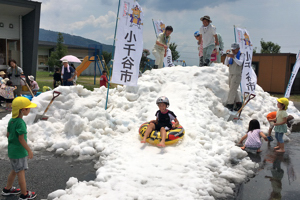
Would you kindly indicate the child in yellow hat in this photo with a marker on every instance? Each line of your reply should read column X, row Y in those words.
column 18, row 149
column 280, row 123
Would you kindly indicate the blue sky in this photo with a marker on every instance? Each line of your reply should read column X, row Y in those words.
column 272, row 20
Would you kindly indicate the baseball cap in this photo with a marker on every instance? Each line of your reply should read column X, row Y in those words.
column 65, row 60
column 235, row 46
column 19, row 103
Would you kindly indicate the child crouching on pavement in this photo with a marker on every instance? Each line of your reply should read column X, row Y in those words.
column 163, row 122
column 253, row 135
column 18, row 149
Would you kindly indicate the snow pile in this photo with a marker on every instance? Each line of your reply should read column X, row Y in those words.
column 205, row 164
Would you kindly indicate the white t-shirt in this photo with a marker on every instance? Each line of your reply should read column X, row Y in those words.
column 208, row 33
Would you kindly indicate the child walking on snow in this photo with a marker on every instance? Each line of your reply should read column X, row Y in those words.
column 18, row 149
column 163, row 122
column 253, row 135
column 280, row 123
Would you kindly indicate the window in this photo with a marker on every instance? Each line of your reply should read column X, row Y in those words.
column 255, row 67
column 13, row 50
column 2, row 52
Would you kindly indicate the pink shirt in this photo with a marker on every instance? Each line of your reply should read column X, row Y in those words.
column 34, row 85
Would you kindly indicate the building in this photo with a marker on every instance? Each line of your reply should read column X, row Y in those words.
column 273, row 71
column 44, row 51
column 19, row 34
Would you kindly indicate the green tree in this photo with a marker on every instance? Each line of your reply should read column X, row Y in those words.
column 106, row 56
column 144, row 59
column 60, row 51
column 269, row 47
column 254, row 49
column 175, row 53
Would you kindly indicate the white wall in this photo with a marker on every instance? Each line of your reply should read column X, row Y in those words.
column 10, row 33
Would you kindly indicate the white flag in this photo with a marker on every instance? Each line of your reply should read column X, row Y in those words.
column 168, row 59
column 129, row 43
column 249, row 79
column 293, row 76
column 159, row 27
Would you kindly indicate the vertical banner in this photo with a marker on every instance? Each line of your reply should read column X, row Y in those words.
column 293, row 76
column 249, row 79
column 159, row 26
column 129, row 43
column 168, row 59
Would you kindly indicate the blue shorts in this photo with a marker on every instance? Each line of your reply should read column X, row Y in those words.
column 279, row 137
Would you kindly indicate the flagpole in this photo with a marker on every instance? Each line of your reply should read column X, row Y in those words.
column 113, row 55
column 154, row 28
column 240, row 83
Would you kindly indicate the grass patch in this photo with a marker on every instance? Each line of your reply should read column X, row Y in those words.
column 46, row 79
column 294, row 97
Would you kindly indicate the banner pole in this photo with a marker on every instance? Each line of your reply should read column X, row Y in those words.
column 154, row 28
column 113, row 56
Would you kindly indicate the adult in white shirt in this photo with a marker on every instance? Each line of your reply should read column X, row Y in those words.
column 234, row 61
column 160, row 47
column 209, row 36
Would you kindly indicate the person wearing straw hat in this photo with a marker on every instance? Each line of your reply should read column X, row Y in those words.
column 33, row 84
column 234, row 61
column 14, row 72
column 68, row 73
column 209, row 37
column 2, row 75
column 18, row 149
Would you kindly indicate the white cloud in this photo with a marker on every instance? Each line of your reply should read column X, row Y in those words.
column 104, row 21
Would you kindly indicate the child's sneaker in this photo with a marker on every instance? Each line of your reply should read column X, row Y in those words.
column 30, row 195
column 11, row 191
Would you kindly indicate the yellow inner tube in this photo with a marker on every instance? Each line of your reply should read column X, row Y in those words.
column 173, row 135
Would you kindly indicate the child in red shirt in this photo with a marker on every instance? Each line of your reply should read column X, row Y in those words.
column 103, row 79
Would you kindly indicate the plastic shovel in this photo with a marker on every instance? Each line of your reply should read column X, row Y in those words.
column 238, row 114
column 43, row 116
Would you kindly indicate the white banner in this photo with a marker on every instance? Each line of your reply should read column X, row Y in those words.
column 293, row 76
column 129, row 43
column 159, row 26
column 249, row 79
column 168, row 59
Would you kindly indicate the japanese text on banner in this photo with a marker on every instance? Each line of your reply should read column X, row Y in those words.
column 168, row 59
column 249, row 79
column 129, row 44
column 293, row 76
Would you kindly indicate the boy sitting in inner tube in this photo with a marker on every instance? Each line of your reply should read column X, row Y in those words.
column 163, row 122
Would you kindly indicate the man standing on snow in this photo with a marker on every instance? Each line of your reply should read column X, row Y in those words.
column 221, row 48
column 210, row 39
column 234, row 61
column 161, row 46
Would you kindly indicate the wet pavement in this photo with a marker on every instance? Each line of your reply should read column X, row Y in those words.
column 278, row 175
